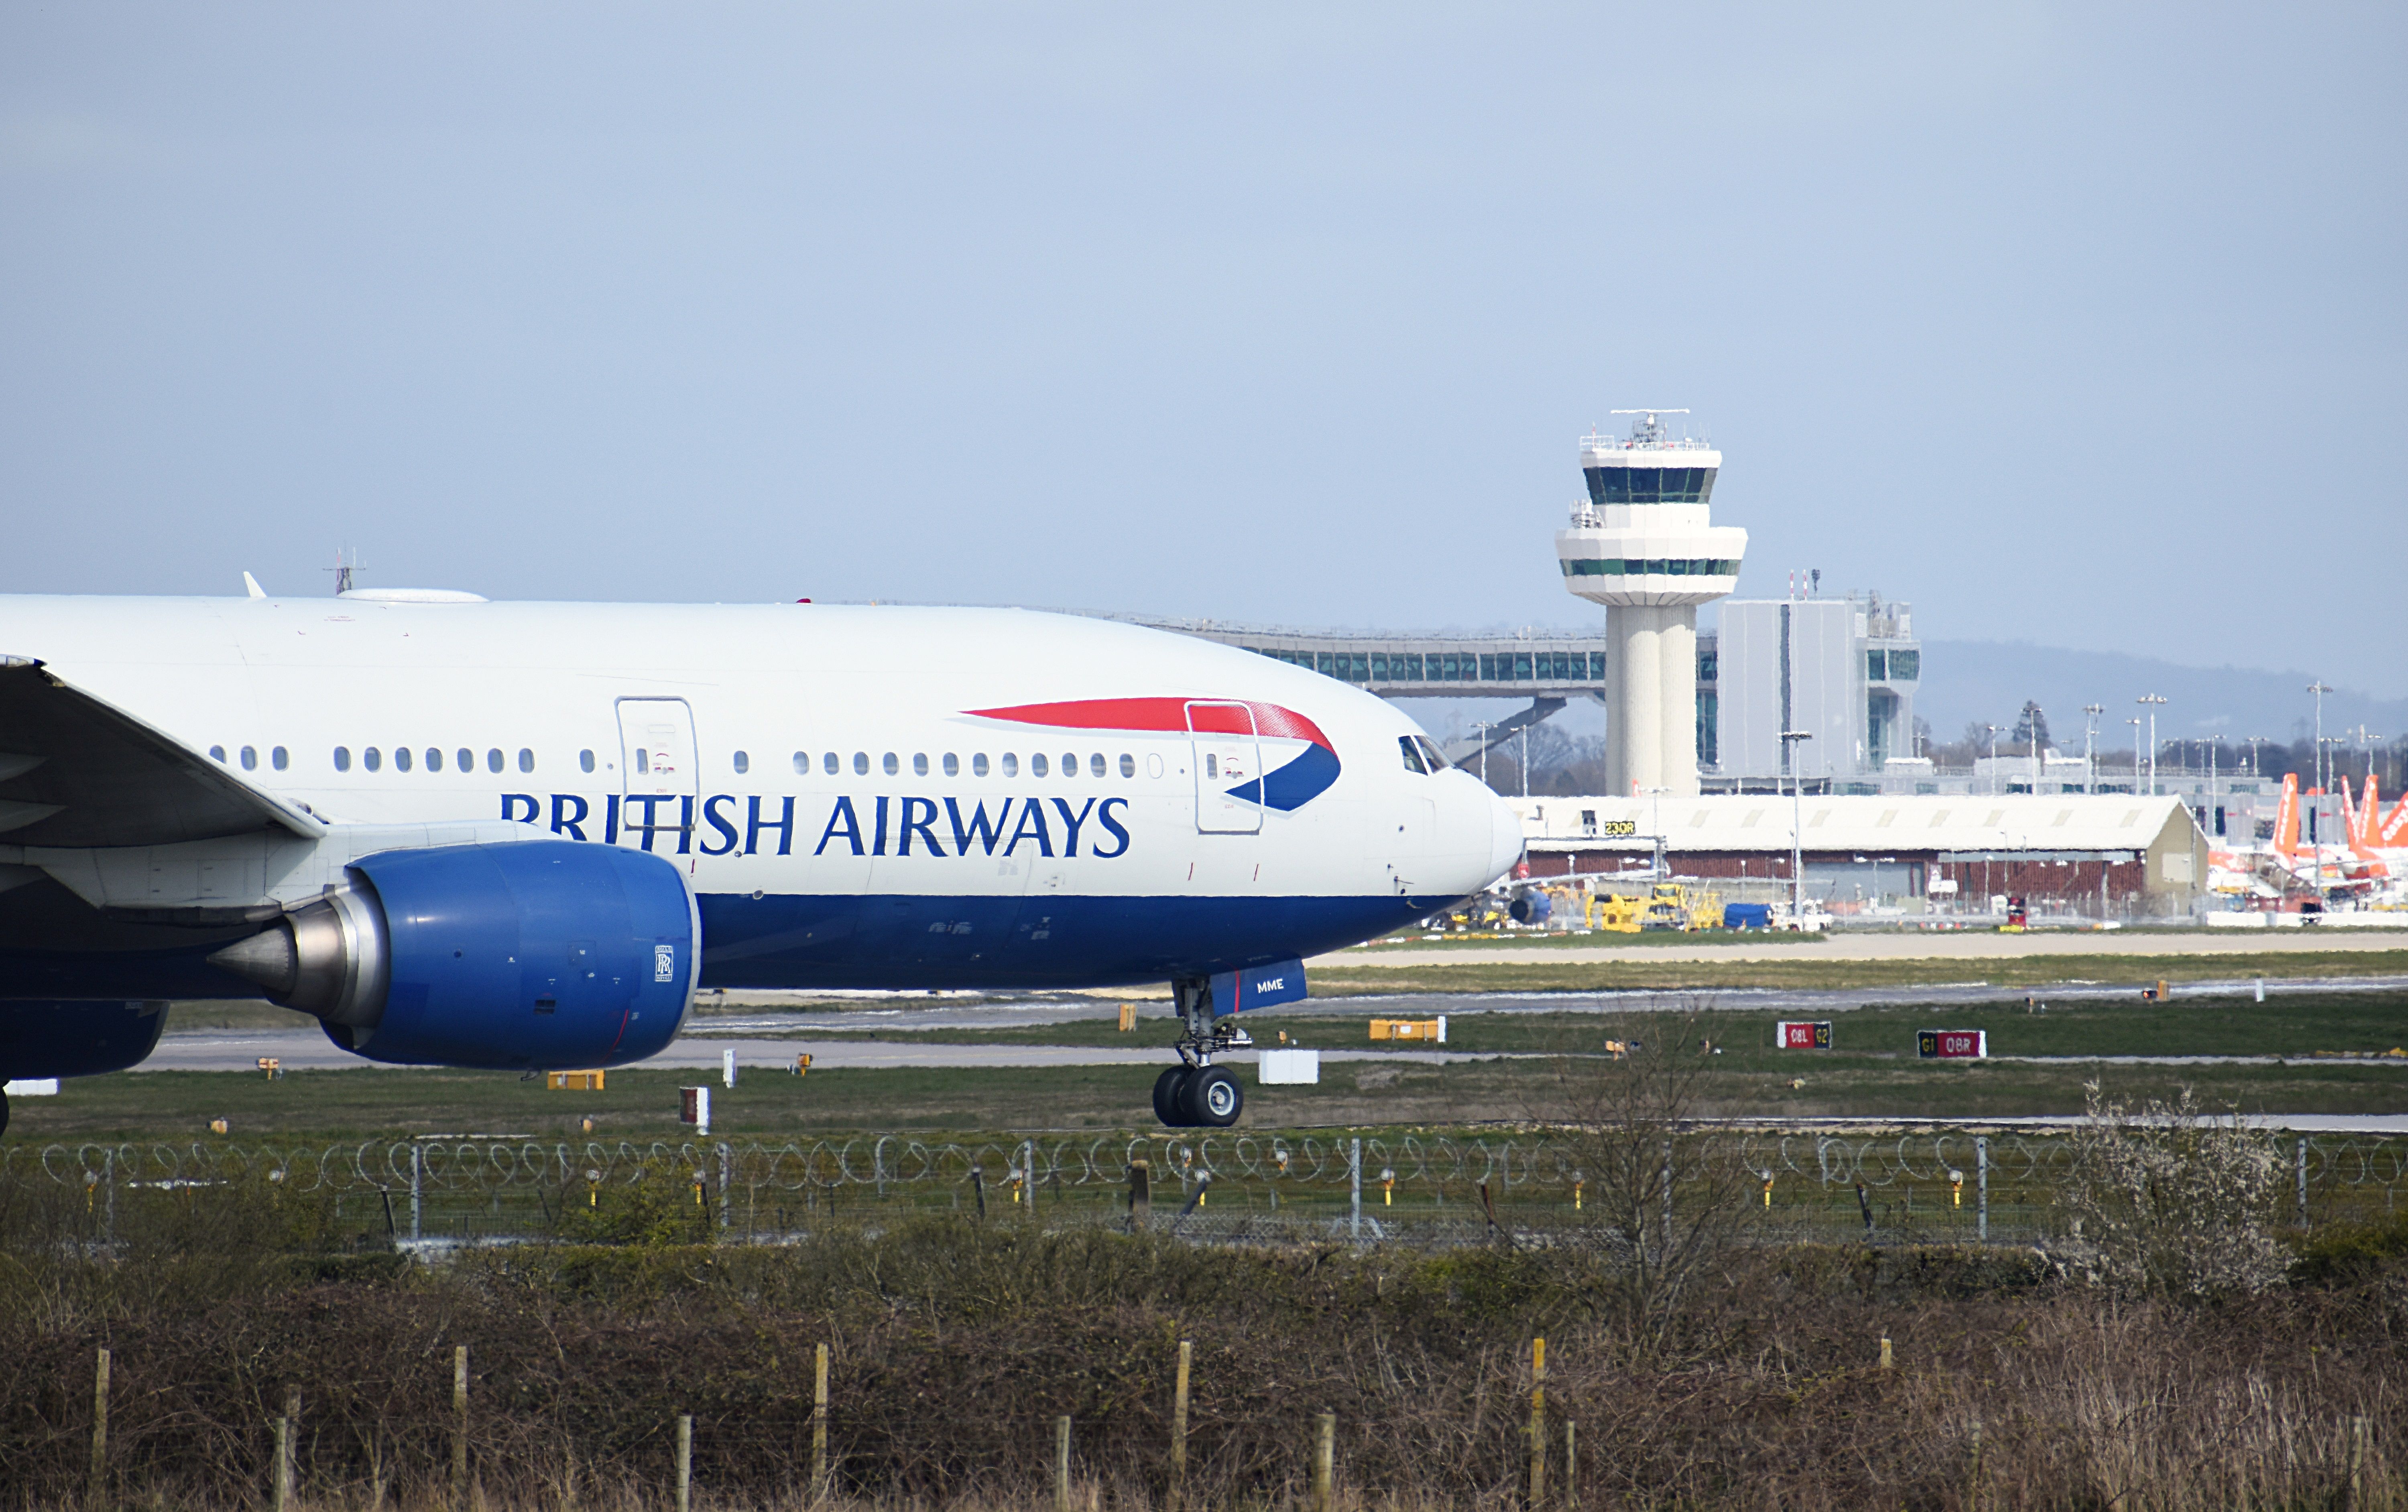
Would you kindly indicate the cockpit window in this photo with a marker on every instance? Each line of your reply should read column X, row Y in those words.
column 1430, row 754
column 1413, row 762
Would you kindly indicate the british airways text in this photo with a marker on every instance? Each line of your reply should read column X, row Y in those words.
column 880, row 826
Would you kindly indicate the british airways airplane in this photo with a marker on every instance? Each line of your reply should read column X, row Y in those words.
column 522, row 836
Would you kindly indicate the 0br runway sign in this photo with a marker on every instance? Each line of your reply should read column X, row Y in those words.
column 1952, row 1043
column 1803, row 1034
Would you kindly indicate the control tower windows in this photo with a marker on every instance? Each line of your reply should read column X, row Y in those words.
column 1650, row 485
column 1905, row 666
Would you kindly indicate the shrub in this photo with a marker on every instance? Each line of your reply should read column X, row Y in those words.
column 2174, row 1202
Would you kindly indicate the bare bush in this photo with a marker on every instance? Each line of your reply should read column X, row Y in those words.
column 2172, row 1201
column 1667, row 1204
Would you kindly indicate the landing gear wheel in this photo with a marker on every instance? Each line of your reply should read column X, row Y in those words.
column 1211, row 1098
column 3, row 1113
column 1166, row 1102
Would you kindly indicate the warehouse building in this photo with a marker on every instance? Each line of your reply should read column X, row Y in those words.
column 2115, row 855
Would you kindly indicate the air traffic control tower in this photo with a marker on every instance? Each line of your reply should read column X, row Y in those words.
column 1643, row 545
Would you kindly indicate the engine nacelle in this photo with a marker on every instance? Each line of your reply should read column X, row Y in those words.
column 75, row 1037
column 541, row 954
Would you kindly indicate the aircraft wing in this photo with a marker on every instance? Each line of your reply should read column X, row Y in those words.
column 77, row 771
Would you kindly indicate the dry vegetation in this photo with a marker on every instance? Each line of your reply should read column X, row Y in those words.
column 1700, row 1370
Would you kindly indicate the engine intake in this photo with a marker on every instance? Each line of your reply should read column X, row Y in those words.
column 529, row 955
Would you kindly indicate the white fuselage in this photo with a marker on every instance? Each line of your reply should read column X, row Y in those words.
column 859, row 796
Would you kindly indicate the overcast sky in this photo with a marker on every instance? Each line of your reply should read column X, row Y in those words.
column 2080, row 324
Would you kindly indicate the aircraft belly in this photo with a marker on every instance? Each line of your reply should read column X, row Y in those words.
column 1062, row 941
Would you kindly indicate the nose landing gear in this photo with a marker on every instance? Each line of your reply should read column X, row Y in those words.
column 1196, row 1093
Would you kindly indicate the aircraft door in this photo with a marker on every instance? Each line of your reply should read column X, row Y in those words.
column 1227, row 756
column 659, row 776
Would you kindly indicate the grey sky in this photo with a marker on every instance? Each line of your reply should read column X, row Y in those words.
column 2080, row 324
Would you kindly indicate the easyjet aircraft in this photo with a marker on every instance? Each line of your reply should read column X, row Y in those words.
column 522, row 836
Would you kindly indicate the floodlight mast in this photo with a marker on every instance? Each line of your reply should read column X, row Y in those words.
column 1790, row 739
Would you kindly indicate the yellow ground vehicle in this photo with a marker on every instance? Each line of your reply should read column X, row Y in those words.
column 1677, row 906
column 1614, row 911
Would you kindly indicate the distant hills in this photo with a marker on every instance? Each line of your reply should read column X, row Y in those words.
column 1987, row 681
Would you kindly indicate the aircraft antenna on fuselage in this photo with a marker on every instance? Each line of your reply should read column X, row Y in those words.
column 347, row 565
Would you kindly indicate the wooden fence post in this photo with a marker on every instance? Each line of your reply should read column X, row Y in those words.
column 288, row 1450
column 819, row 1427
column 1141, row 1195
column 1178, row 1428
column 460, row 1429
column 1061, row 1466
column 2356, row 1465
column 279, row 1486
column 1572, row 1466
column 96, row 1486
column 686, row 1461
column 1325, row 1458
column 1884, row 1352
column 1538, row 1424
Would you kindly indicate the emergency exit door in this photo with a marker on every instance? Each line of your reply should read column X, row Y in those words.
column 1227, row 756
column 659, row 778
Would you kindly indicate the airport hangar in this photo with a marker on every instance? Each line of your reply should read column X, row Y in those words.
column 2084, row 853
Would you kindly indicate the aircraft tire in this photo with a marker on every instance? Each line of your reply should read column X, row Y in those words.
column 1211, row 1098
column 1169, row 1107
column 3, row 1113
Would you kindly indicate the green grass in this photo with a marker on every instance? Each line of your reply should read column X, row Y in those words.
column 1696, row 976
column 1871, row 1072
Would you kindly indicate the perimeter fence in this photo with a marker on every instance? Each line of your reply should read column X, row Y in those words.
column 1424, row 1188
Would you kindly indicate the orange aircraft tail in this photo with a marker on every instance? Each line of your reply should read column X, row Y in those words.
column 2393, row 831
column 2286, row 818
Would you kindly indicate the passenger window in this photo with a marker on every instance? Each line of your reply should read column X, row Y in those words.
column 526, row 760
column 891, row 764
column 278, row 759
column 585, row 760
column 371, row 758
column 1413, row 755
column 978, row 764
column 493, row 760
column 467, row 758
column 217, row 754
column 1069, row 764
column 1036, row 764
column 1012, row 765
column 251, row 758
column 920, row 763
column 802, row 764
column 828, row 764
column 342, row 758
column 1096, row 764
column 1212, row 765
column 433, row 758
column 1128, row 764
column 401, row 758
column 861, row 762
column 743, row 763
column 952, row 765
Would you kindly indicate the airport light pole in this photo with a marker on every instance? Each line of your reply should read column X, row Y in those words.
column 1790, row 739
column 2090, row 713
column 1483, row 727
column 2320, row 689
column 1996, row 784
column 2135, row 722
column 2151, row 701
column 1661, row 869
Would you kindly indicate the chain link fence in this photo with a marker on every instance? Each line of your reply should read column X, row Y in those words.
column 1418, row 1186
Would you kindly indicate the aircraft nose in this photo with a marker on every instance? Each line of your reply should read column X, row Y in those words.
column 1505, row 839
